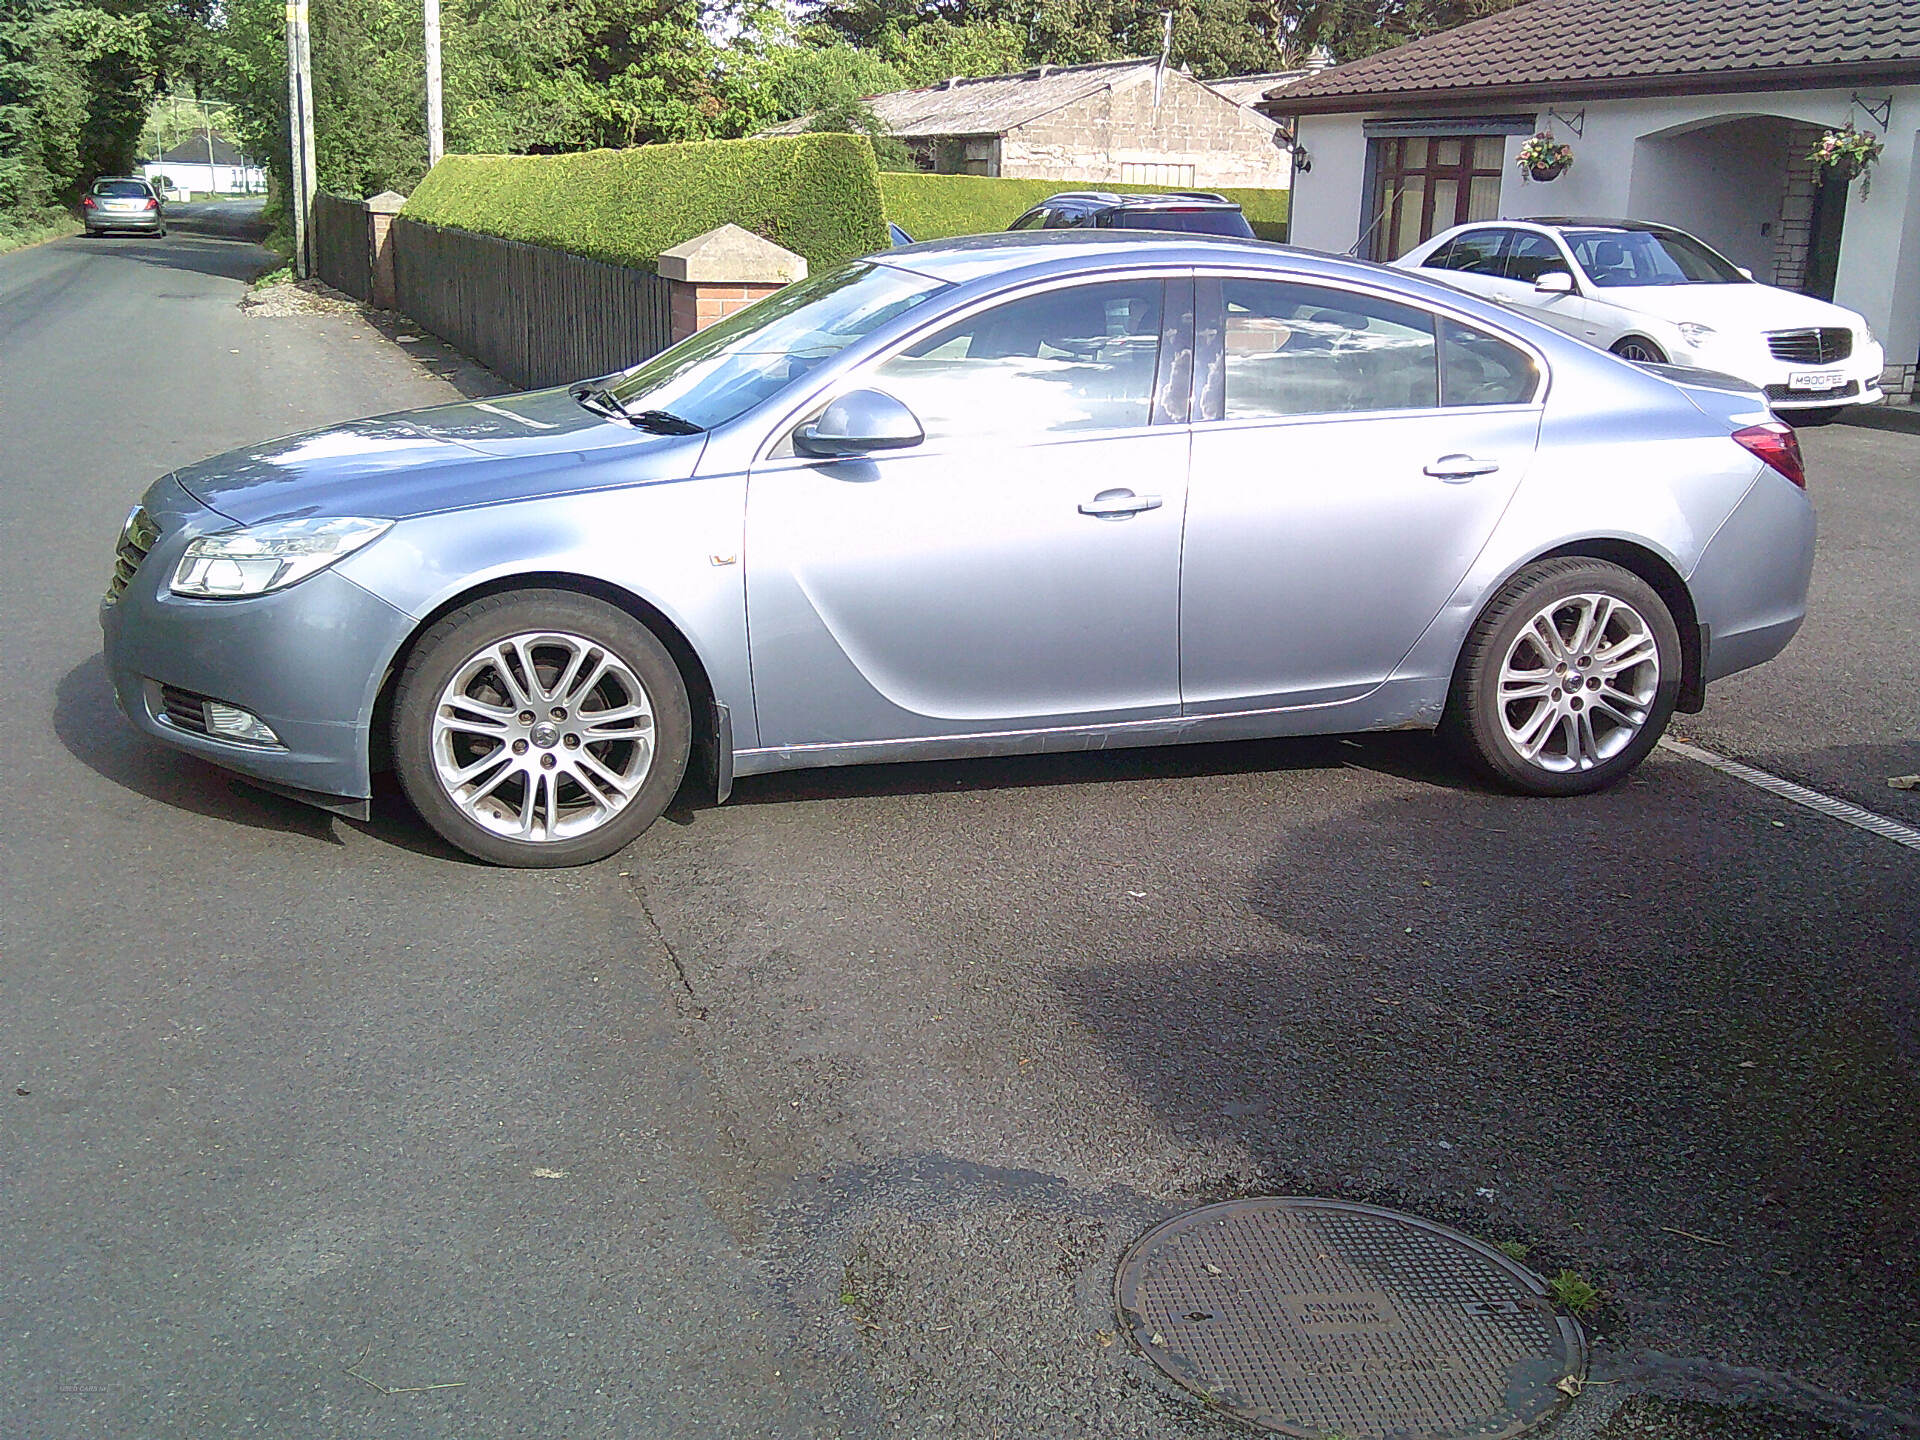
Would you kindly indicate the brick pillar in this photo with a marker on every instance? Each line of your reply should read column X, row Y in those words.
column 721, row 272
column 380, row 212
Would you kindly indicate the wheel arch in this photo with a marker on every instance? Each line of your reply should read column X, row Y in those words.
column 1658, row 572
column 693, row 670
column 1664, row 351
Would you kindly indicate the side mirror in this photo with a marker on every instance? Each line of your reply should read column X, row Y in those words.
column 1554, row 282
column 1745, row 271
column 860, row 422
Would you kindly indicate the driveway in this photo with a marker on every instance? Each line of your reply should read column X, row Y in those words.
column 828, row 1112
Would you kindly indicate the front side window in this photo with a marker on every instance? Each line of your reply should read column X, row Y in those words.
column 1032, row 220
column 1303, row 350
column 1617, row 258
column 1080, row 358
column 728, row 368
column 1531, row 256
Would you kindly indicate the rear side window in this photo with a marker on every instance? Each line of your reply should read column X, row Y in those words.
column 1197, row 221
column 122, row 189
column 1477, row 252
column 1478, row 369
column 1531, row 256
column 1303, row 350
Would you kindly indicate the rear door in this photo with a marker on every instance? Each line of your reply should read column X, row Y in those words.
column 1351, row 455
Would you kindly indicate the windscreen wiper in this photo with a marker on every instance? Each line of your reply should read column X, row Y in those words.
column 662, row 422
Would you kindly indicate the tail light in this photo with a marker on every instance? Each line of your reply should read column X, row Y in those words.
column 1776, row 444
column 152, row 204
column 86, row 202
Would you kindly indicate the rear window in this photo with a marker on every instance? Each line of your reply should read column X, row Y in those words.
column 122, row 189
column 1201, row 220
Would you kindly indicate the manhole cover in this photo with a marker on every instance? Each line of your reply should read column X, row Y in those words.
column 1317, row 1318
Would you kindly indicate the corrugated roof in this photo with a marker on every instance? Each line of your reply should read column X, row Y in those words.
column 1247, row 89
column 992, row 104
column 1585, row 47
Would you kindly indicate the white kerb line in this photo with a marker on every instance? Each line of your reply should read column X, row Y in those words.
column 1800, row 795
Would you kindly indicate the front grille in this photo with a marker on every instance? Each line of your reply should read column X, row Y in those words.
column 137, row 537
column 1787, row 392
column 1811, row 347
column 183, row 709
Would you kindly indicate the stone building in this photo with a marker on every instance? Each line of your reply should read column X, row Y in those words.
column 1123, row 121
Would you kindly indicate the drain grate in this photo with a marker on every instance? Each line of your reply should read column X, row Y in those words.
column 1316, row 1318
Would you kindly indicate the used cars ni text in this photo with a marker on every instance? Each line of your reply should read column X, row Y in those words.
column 1653, row 293
column 1003, row 494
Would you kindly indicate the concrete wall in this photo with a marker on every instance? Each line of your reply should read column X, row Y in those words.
column 1194, row 137
column 1679, row 159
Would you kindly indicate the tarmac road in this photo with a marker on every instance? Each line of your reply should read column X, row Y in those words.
column 829, row 1111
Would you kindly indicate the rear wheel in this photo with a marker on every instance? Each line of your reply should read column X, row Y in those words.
column 540, row 728
column 1644, row 351
column 1567, row 680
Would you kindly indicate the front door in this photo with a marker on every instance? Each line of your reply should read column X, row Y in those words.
column 1019, row 569
column 1346, row 471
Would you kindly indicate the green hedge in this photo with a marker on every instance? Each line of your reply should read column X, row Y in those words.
column 818, row 195
column 932, row 207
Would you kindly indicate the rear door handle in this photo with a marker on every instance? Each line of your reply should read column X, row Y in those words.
column 1457, row 469
column 1118, row 504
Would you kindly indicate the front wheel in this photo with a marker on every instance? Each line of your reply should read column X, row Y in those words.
column 1643, row 351
column 540, row 728
column 1567, row 680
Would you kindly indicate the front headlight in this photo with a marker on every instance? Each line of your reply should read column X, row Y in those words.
column 268, row 557
column 1695, row 334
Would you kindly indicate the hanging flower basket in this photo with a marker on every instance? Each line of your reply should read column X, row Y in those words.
column 1845, row 154
column 1545, row 158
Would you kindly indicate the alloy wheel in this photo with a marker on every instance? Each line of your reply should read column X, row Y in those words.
column 1578, row 683
column 543, row 736
column 1640, row 351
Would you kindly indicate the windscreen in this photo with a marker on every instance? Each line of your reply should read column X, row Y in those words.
column 1197, row 221
column 728, row 368
column 1618, row 258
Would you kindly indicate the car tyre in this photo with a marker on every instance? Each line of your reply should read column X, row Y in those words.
column 540, row 728
column 1641, row 350
column 1567, row 679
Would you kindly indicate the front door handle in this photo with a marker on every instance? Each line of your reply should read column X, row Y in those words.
column 1118, row 504
column 1458, row 469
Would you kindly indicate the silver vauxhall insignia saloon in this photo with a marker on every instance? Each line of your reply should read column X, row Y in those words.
column 1027, row 492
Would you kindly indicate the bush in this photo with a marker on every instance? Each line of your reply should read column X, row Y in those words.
column 932, row 207
column 818, row 195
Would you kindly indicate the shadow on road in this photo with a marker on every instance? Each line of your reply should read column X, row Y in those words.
column 1606, row 1028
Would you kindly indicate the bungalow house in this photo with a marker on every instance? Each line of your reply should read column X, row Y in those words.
column 1122, row 121
column 207, row 163
column 1697, row 113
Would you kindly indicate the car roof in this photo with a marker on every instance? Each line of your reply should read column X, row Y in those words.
column 1039, row 253
column 1596, row 222
column 1157, row 200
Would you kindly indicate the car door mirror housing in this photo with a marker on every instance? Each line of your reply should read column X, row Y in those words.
column 859, row 423
column 1554, row 282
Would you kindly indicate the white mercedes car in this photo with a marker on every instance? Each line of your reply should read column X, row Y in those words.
column 1652, row 293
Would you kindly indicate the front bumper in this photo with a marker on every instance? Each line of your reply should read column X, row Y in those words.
column 1859, row 375
column 308, row 661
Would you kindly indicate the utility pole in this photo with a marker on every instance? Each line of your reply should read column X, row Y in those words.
column 300, row 126
column 436, row 137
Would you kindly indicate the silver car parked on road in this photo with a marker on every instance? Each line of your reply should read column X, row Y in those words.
column 123, row 202
column 1004, row 494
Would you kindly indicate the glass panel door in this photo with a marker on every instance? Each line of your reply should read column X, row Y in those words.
column 1426, row 184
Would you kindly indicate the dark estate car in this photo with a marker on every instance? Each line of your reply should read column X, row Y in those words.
column 122, row 203
column 1198, row 212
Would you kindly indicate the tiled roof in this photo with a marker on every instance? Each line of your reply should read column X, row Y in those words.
column 993, row 104
column 1590, row 47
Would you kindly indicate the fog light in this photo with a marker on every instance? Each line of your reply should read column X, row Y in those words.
column 232, row 723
